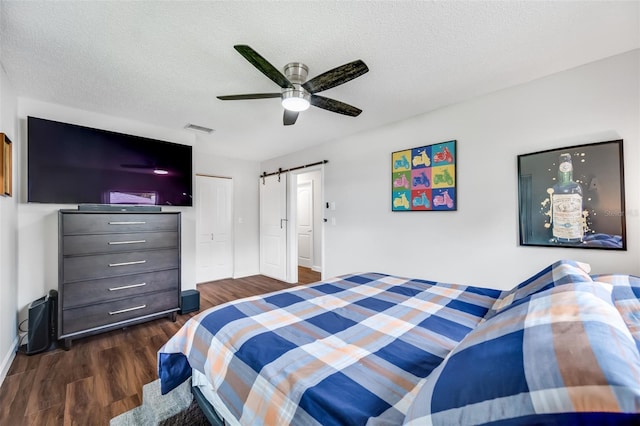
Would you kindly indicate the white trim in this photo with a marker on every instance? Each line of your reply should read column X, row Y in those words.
column 8, row 359
column 292, row 225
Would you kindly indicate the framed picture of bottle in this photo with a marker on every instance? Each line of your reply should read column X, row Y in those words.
column 573, row 197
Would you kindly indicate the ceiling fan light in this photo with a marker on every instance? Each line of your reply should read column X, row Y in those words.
column 295, row 104
column 160, row 172
column 295, row 100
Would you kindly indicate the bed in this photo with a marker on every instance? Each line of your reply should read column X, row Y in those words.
column 562, row 347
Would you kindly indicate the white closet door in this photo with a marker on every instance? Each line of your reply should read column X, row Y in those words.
column 214, row 228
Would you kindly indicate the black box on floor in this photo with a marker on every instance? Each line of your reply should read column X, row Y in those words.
column 43, row 325
column 189, row 301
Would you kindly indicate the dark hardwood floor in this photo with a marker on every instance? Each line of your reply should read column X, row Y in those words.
column 102, row 376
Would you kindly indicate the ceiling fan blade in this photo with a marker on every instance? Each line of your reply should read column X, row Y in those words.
column 334, row 106
column 263, row 66
column 250, row 96
column 336, row 76
column 289, row 117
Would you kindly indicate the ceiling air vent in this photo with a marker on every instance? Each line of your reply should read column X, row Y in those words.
column 197, row 128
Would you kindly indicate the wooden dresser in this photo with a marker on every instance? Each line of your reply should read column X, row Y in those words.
column 116, row 269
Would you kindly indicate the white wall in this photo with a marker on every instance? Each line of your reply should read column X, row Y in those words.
column 8, row 235
column 478, row 244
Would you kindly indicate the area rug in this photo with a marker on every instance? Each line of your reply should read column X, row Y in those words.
column 191, row 416
column 178, row 407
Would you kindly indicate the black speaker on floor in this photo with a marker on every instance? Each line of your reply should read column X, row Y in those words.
column 42, row 323
column 189, row 301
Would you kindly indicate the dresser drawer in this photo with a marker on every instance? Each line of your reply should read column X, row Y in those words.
column 87, row 223
column 111, row 243
column 82, row 293
column 82, row 268
column 88, row 317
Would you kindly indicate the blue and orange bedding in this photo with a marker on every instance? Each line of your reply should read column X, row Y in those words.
column 354, row 348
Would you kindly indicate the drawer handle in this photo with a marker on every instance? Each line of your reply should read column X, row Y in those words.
column 127, row 223
column 124, row 287
column 114, row 243
column 122, row 311
column 135, row 262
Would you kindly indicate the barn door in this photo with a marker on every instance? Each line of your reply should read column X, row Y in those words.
column 273, row 226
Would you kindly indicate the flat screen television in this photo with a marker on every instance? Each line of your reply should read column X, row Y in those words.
column 71, row 164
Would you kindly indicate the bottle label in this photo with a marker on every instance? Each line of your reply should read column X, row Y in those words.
column 567, row 216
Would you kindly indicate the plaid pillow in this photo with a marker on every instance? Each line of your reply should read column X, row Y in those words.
column 561, row 272
column 562, row 356
column 626, row 297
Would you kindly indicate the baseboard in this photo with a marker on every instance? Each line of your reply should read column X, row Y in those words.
column 246, row 273
column 8, row 359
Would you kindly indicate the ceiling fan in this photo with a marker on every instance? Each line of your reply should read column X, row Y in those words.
column 297, row 93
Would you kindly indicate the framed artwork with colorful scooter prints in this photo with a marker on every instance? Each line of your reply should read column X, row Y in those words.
column 424, row 178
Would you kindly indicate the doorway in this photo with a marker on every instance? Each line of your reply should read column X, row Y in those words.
column 309, row 220
column 304, row 229
column 283, row 243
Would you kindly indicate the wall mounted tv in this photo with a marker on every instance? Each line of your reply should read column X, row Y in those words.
column 70, row 164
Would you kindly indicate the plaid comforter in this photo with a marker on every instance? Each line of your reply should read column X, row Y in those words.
column 351, row 350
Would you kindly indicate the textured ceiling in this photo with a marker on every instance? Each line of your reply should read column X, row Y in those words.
column 164, row 63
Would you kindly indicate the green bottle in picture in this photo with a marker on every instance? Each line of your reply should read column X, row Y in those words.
column 567, row 205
